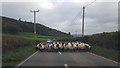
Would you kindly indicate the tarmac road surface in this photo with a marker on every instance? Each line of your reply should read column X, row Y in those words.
column 66, row 59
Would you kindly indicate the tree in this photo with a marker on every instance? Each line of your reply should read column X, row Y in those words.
column 69, row 33
column 19, row 19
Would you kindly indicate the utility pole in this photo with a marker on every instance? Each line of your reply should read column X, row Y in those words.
column 76, row 33
column 84, row 16
column 83, row 21
column 34, row 12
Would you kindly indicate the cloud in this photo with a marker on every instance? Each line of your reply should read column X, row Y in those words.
column 59, row 1
column 102, row 16
column 66, row 16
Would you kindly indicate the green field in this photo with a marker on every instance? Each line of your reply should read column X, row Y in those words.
column 30, row 36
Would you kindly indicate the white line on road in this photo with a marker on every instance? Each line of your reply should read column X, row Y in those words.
column 104, row 58
column 59, row 53
column 26, row 59
column 66, row 66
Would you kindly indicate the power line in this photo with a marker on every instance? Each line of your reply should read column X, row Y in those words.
column 76, row 33
column 83, row 19
column 89, row 4
column 76, row 17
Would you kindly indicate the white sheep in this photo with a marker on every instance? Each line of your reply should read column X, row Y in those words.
column 37, row 47
column 84, row 46
column 41, row 47
column 75, row 46
column 70, row 46
column 87, row 47
column 60, row 46
column 65, row 46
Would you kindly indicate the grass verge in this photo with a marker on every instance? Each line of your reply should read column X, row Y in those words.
column 14, row 57
column 108, row 53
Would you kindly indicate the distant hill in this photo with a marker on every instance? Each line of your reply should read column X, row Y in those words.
column 76, row 35
column 13, row 26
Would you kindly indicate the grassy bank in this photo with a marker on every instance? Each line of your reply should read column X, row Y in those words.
column 10, row 43
column 15, row 57
column 108, row 53
column 15, row 49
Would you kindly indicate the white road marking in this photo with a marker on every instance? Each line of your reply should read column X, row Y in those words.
column 59, row 53
column 26, row 59
column 66, row 66
column 104, row 58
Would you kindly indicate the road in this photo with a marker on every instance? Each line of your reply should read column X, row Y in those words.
column 66, row 59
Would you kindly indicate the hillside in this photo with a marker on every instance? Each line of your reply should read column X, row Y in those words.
column 77, row 35
column 105, row 44
column 13, row 26
column 107, row 40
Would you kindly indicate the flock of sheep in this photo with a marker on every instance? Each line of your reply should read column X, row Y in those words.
column 63, row 46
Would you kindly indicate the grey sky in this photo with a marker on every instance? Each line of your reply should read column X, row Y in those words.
column 99, row 16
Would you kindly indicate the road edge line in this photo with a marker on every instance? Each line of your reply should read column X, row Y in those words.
column 59, row 53
column 104, row 57
column 66, row 65
column 26, row 59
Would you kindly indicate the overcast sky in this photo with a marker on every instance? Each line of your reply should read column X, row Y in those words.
column 66, row 16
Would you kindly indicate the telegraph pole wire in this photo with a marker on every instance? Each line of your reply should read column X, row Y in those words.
column 89, row 4
column 83, row 19
column 76, row 16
